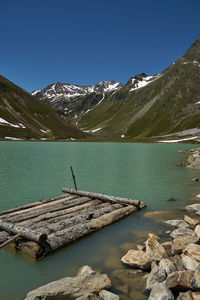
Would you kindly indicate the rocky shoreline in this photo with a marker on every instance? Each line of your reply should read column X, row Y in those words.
column 193, row 160
column 171, row 267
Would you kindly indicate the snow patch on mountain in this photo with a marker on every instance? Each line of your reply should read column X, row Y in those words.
column 4, row 122
column 59, row 91
column 139, row 81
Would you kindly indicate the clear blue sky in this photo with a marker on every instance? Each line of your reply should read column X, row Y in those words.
column 86, row 41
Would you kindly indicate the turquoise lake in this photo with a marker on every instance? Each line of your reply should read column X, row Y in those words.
column 30, row 171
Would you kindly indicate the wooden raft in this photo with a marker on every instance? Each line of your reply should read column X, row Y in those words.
column 47, row 225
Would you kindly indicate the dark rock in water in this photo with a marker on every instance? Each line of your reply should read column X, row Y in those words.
column 172, row 199
column 157, row 275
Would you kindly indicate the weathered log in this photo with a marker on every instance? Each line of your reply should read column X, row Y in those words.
column 68, row 235
column 13, row 238
column 28, row 234
column 58, row 224
column 35, row 207
column 50, row 208
column 51, row 215
column 30, row 205
column 123, row 201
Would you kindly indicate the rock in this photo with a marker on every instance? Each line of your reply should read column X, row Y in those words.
column 153, row 236
column 198, row 196
column 180, row 280
column 176, row 223
column 105, row 295
column 160, row 292
column 140, row 247
column 154, row 250
column 196, row 279
column 153, row 264
column 31, row 249
column 191, row 221
column 86, row 270
column 167, row 245
column 167, row 265
column 89, row 296
column 185, row 296
column 193, row 250
column 197, row 230
column 196, row 296
column 189, row 263
column 182, row 231
column 180, row 243
column 177, row 261
column 156, row 275
column 81, row 287
column 195, row 179
column 137, row 259
column 194, row 207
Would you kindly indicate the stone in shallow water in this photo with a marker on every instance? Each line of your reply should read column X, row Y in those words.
column 154, row 250
column 160, row 292
column 105, row 295
column 176, row 223
column 194, row 207
column 137, row 259
column 74, row 287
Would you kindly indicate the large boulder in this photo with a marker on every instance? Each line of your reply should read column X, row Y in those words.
column 180, row 280
column 182, row 231
column 160, row 292
column 185, row 296
column 194, row 207
column 177, row 261
column 197, row 230
column 190, row 263
column 156, row 275
column 79, row 287
column 193, row 250
column 137, row 259
column 196, row 279
column 191, row 221
column 167, row 265
column 154, row 250
column 180, row 242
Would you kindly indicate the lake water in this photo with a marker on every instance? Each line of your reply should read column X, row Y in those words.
column 30, row 171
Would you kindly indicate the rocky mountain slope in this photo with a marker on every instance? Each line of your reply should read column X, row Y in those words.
column 165, row 106
column 24, row 117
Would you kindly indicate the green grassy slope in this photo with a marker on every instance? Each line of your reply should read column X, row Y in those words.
column 40, row 121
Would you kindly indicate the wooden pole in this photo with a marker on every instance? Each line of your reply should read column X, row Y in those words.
column 74, row 179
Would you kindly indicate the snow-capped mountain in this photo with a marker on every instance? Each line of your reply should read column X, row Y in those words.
column 62, row 91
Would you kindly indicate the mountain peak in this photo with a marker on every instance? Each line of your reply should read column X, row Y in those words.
column 194, row 51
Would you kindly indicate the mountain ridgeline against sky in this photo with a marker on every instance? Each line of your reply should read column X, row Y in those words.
column 161, row 106
column 24, row 117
